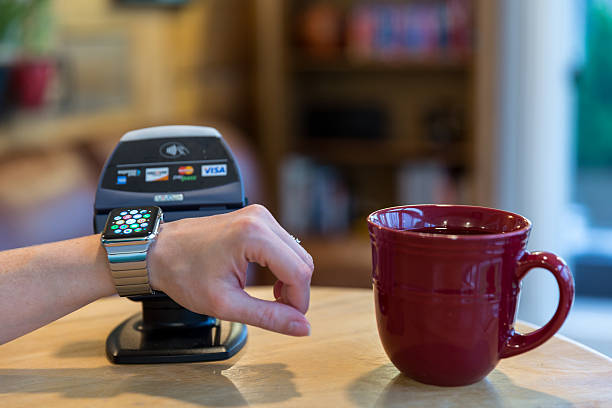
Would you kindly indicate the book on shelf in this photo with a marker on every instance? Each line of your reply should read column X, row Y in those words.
column 430, row 182
column 392, row 31
column 313, row 198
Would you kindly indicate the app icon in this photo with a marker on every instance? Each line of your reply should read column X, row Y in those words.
column 121, row 179
column 123, row 213
column 157, row 174
column 212, row 170
column 130, row 221
column 136, row 216
column 138, row 230
column 144, row 224
column 134, row 212
column 117, row 218
column 119, row 222
column 127, row 217
column 185, row 170
column 146, row 215
column 118, row 231
column 124, row 226
column 143, row 211
column 114, row 226
column 140, row 221
column 127, row 231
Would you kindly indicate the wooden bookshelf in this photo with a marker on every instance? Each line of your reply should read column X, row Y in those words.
column 388, row 152
column 289, row 80
column 342, row 65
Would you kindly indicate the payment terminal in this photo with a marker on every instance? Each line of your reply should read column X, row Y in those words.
column 181, row 172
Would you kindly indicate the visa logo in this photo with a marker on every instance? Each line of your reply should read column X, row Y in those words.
column 211, row 170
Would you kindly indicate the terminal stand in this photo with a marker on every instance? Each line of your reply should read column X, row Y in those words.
column 166, row 332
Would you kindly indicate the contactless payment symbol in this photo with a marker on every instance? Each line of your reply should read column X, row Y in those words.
column 157, row 174
column 172, row 150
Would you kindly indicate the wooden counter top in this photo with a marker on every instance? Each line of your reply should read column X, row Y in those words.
column 341, row 365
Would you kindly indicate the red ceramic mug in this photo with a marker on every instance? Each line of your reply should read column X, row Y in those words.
column 446, row 284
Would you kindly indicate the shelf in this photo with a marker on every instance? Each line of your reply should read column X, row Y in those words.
column 341, row 260
column 384, row 152
column 393, row 66
column 48, row 130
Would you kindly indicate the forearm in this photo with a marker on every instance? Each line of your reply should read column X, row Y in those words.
column 42, row 283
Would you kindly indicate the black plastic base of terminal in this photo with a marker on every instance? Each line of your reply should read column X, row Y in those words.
column 166, row 332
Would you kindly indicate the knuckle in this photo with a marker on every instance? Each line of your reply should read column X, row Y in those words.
column 258, row 210
column 249, row 226
column 266, row 317
column 304, row 273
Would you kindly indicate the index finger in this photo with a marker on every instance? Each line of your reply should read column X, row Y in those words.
column 268, row 249
column 289, row 239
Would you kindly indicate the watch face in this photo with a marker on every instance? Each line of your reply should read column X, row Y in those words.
column 130, row 222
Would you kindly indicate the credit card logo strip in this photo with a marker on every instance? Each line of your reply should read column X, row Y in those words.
column 214, row 170
column 154, row 174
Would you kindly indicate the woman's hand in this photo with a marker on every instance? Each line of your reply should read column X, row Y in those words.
column 201, row 264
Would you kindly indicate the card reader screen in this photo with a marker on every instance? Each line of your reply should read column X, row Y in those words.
column 130, row 222
column 170, row 165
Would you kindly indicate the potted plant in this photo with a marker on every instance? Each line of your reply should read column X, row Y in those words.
column 35, row 68
column 10, row 26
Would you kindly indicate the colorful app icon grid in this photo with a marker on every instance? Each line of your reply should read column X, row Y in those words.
column 130, row 221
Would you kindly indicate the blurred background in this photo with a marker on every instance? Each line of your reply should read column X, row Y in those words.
column 334, row 109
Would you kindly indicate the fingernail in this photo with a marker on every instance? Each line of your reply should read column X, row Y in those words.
column 299, row 328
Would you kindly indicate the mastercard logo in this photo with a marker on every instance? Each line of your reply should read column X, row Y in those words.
column 185, row 170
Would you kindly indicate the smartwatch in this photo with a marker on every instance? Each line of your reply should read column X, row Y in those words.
column 127, row 237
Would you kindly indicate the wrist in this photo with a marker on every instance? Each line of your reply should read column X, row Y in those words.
column 102, row 270
column 160, row 253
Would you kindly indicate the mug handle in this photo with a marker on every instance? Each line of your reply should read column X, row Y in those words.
column 519, row 343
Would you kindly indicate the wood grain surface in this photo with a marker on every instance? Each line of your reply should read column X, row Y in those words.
column 341, row 365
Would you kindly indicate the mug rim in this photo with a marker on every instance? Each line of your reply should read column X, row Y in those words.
column 486, row 236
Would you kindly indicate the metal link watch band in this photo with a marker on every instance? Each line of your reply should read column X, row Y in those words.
column 128, row 264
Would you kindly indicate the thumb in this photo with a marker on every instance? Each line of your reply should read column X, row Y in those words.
column 268, row 315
